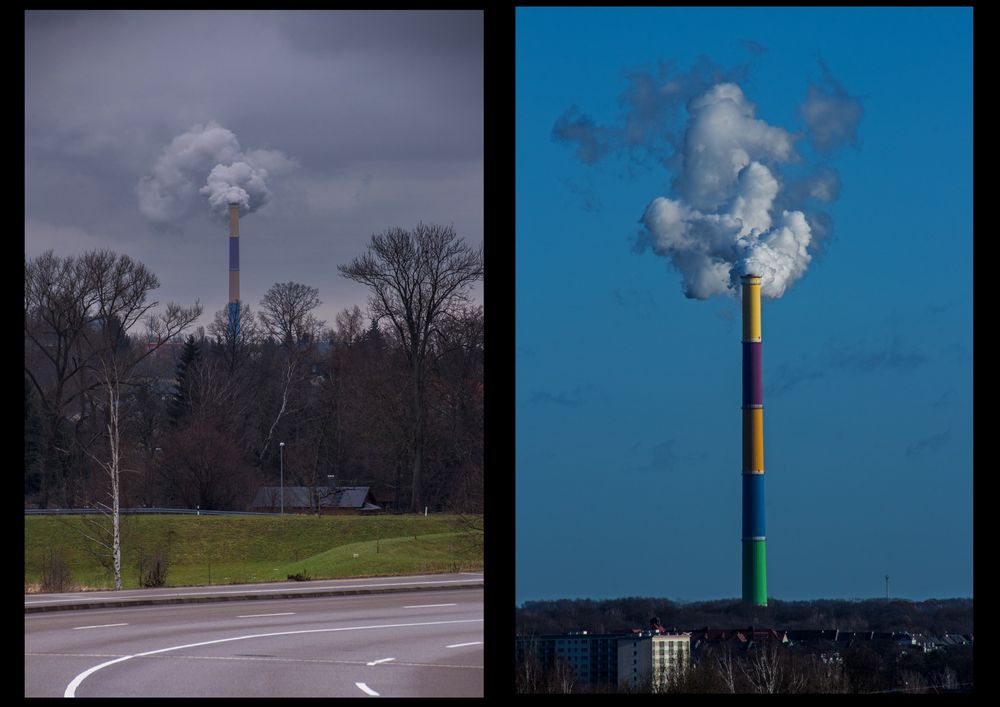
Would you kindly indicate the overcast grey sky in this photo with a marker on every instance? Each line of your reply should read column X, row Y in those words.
column 363, row 121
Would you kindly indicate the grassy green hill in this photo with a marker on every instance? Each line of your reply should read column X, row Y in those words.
column 204, row 550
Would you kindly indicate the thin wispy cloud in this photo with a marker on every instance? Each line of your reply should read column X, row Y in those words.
column 664, row 457
column 928, row 445
column 592, row 141
column 727, row 314
column 944, row 399
column 941, row 307
column 650, row 104
column 830, row 113
column 785, row 376
column 894, row 355
column 572, row 398
column 631, row 298
column 853, row 357
column 586, row 196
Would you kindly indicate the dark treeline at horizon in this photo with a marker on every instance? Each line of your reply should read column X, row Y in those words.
column 931, row 616
column 125, row 405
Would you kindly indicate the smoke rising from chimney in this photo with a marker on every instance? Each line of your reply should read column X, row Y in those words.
column 730, row 212
column 207, row 162
column 724, row 224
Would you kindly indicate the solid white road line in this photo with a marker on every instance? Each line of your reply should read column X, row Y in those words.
column 365, row 689
column 381, row 660
column 78, row 628
column 427, row 606
column 254, row 616
column 459, row 645
column 75, row 683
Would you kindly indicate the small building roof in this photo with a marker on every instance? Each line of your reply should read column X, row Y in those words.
column 357, row 497
column 803, row 634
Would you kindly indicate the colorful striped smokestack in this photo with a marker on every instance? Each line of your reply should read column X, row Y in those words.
column 234, row 270
column 754, row 555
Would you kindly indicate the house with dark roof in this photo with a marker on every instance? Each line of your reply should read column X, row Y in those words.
column 798, row 635
column 739, row 639
column 325, row 500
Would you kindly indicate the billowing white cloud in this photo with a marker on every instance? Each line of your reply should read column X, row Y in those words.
column 721, row 139
column 207, row 161
column 780, row 255
column 723, row 225
column 730, row 210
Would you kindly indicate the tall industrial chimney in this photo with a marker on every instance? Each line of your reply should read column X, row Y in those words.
column 754, row 540
column 234, row 270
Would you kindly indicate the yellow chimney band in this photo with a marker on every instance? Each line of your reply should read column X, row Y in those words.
column 751, row 308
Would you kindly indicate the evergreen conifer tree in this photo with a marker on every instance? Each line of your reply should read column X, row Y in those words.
column 181, row 401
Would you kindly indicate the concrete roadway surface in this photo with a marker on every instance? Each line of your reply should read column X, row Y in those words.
column 401, row 644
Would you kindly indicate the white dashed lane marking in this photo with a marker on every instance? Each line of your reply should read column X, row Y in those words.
column 365, row 689
column 427, row 606
column 459, row 645
column 254, row 616
column 380, row 660
column 78, row 628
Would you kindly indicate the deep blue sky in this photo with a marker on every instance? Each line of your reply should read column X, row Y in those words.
column 628, row 446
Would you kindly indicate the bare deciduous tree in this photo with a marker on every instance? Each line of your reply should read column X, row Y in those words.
column 350, row 326
column 78, row 315
column 235, row 345
column 286, row 313
column 724, row 660
column 456, row 401
column 415, row 278
column 529, row 672
column 762, row 668
column 124, row 301
column 59, row 308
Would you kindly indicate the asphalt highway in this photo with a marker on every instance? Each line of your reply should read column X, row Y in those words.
column 400, row 644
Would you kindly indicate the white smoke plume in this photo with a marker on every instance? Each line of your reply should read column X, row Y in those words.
column 731, row 211
column 725, row 224
column 831, row 115
column 649, row 103
column 207, row 162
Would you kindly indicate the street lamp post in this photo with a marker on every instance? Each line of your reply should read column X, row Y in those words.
column 281, row 459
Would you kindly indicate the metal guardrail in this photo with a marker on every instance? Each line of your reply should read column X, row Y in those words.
column 175, row 511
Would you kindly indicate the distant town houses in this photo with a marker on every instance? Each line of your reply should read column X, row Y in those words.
column 637, row 660
column 742, row 638
column 647, row 659
column 846, row 639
